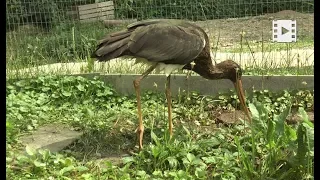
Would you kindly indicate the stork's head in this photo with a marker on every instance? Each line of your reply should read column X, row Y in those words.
column 231, row 70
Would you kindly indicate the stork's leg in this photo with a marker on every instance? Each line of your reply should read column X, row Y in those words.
column 168, row 95
column 136, row 84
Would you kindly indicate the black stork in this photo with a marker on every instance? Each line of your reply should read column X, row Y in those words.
column 168, row 45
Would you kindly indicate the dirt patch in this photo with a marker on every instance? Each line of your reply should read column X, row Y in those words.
column 295, row 117
column 114, row 159
column 231, row 117
column 257, row 27
column 228, row 118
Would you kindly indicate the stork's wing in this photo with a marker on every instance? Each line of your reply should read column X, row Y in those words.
column 159, row 21
column 167, row 43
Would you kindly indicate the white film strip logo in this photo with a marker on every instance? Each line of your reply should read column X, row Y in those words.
column 284, row 31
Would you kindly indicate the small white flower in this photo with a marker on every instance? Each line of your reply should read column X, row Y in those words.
column 197, row 123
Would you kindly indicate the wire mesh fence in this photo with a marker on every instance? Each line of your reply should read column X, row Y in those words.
column 42, row 32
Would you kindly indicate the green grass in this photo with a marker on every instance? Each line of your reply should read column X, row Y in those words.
column 200, row 149
column 306, row 70
column 69, row 42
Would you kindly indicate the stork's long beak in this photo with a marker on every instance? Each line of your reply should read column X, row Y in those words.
column 239, row 89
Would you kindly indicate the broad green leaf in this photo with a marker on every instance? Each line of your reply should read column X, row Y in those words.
column 39, row 164
column 173, row 174
column 80, row 87
column 155, row 138
column 157, row 173
column 99, row 93
column 66, row 93
column 182, row 173
column 173, row 162
column 29, row 127
column 259, row 116
column 280, row 121
column 185, row 161
column 90, row 112
column 21, row 83
column 87, row 176
column 81, row 168
column 108, row 164
column 66, row 169
column 291, row 133
column 186, row 130
column 245, row 160
column 22, row 158
column 68, row 161
column 30, row 151
column 190, row 157
column 156, row 150
column 163, row 154
column 197, row 161
column 10, row 87
column 200, row 173
column 254, row 111
column 303, row 114
column 23, row 109
column 212, row 142
column 309, row 136
column 302, row 144
column 210, row 160
column 45, row 89
column 45, row 153
column 8, row 124
column 141, row 173
column 127, row 159
column 271, row 134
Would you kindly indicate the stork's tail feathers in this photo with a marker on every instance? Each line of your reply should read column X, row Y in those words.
column 112, row 46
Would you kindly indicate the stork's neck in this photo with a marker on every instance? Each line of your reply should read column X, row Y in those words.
column 203, row 64
column 208, row 71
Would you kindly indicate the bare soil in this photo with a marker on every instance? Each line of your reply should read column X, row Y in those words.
column 257, row 27
column 294, row 118
column 234, row 117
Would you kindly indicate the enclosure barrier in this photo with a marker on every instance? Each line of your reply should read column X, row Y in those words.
column 179, row 83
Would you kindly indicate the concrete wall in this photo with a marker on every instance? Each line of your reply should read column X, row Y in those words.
column 124, row 83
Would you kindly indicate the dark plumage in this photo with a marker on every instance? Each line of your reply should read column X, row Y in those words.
column 168, row 45
column 158, row 40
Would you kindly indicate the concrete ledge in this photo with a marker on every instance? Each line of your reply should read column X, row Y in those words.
column 124, row 83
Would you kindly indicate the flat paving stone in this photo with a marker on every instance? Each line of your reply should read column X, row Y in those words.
column 53, row 137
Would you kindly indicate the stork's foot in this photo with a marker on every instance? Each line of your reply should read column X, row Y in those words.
column 140, row 131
